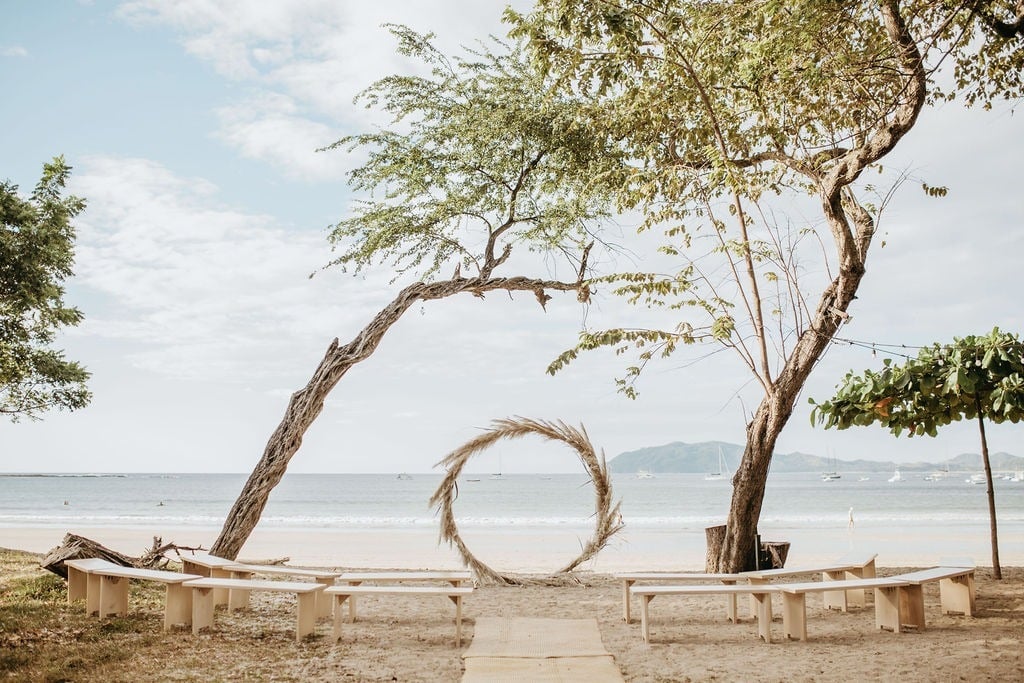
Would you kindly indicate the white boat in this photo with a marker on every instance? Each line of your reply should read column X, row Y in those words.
column 722, row 472
column 896, row 476
column 976, row 479
column 832, row 474
column 864, row 479
column 644, row 474
column 404, row 475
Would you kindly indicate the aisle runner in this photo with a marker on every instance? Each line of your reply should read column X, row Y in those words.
column 514, row 649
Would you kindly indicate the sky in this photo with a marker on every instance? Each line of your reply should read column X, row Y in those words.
column 192, row 127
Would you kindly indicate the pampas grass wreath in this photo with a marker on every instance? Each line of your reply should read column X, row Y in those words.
column 608, row 520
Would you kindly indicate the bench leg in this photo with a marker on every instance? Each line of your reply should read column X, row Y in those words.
column 305, row 615
column 834, row 599
column 238, row 598
column 92, row 594
column 457, row 599
column 855, row 598
column 957, row 595
column 626, row 584
column 339, row 604
column 352, row 603
column 730, row 604
column 888, row 608
column 202, row 608
column 912, row 606
column 113, row 596
column 764, row 615
column 753, row 599
column 794, row 616
column 645, row 624
column 78, row 584
column 323, row 601
column 177, row 606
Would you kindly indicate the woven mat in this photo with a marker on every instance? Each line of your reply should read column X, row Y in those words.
column 550, row 670
column 521, row 649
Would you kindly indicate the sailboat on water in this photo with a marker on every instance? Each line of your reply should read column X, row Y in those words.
column 722, row 472
column 833, row 473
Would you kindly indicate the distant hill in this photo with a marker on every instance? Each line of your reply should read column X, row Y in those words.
column 702, row 457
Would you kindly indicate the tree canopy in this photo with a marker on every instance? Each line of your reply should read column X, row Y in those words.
column 36, row 257
column 974, row 376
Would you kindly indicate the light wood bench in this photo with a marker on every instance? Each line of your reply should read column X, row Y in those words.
column 238, row 598
column 888, row 602
column 452, row 577
column 759, row 593
column 110, row 584
column 630, row 578
column 305, row 594
column 343, row 593
column 956, row 593
column 853, row 566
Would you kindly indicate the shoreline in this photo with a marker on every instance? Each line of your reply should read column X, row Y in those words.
column 530, row 551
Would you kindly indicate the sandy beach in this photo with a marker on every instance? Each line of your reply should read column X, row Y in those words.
column 402, row 639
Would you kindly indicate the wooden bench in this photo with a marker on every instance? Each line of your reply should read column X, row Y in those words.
column 630, row 578
column 203, row 600
column 759, row 593
column 452, row 577
column 238, row 598
column 956, row 593
column 888, row 602
column 853, row 566
column 343, row 593
column 110, row 585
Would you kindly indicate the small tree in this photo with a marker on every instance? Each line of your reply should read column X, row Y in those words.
column 36, row 256
column 472, row 169
column 972, row 378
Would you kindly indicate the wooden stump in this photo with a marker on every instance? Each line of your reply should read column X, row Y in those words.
column 715, row 536
column 75, row 547
column 773, row 554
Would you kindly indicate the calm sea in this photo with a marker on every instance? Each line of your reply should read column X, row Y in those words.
column 950, row 514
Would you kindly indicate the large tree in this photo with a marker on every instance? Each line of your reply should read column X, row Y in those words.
column 470, row 171
column 37, row 243
column 974, row 378
column 735, row 113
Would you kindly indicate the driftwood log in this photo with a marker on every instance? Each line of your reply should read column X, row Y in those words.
column 75, row 547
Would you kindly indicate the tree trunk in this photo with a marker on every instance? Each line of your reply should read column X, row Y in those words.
column 305, row 405
column 997, row 572
column 852, row 228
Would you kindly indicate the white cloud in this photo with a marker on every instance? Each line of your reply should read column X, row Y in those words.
column 13, row 51
column 307, row 59
column 270, row 128
column 202, row 289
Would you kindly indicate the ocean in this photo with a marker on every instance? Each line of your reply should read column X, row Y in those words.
column 909, row 522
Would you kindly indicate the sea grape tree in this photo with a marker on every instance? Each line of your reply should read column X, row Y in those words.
column 973, row 378
column 733, row 113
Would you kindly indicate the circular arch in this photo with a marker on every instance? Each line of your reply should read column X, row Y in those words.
column 608, row 521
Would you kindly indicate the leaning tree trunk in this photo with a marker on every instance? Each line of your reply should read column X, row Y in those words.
column 997, row 572
column 852, row 229
column 305, row 405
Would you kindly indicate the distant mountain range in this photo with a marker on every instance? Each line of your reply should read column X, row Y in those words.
column 703, row 457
